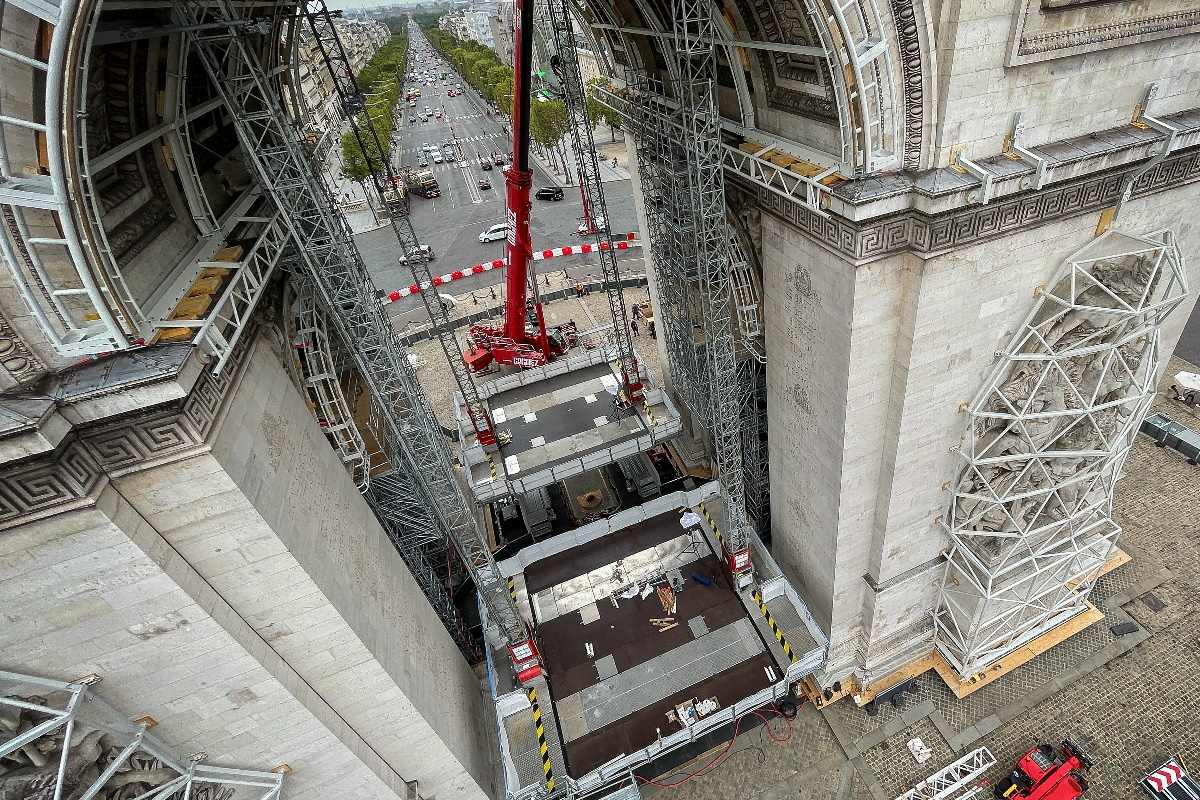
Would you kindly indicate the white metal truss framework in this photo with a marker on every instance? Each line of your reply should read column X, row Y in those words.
column 948, row 780
column 1031, row 516
column 218, row 332
column 420, row 496
column 39, row 239
column 61, row 713
column 54, row 240
column 851, row 34
column 565, row 63
column 807, row 191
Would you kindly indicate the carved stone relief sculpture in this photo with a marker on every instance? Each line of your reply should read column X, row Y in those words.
column 87, row 748
column 1030, row 520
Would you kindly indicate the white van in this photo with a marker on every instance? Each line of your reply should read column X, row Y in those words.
column 495, row 233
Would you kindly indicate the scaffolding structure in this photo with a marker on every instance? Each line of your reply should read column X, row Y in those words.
column 1031, row 516
column 49, row 715
column 708, row 298
column 419, row 498
column 565, row 63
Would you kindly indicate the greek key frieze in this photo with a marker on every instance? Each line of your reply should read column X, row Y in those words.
column 913, row 231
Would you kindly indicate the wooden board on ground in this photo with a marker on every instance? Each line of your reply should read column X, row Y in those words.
column 961, row 688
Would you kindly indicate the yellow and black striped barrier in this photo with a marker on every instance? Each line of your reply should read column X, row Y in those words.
column 492, row 464
column 762, row 606
column 712, row 525
column 541, row 732
column 649, row 413
column 512, row 589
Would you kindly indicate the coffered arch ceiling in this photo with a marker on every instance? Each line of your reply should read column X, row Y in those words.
column 786, row 70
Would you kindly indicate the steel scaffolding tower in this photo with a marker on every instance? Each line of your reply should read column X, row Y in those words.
column 704, row 284
column 1031, row 516
column 419, row 498
column 565, row 63
column 376, row 153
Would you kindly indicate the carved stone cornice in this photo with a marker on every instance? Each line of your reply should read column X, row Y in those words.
column 925, row 235
column 15, row 358
column 1043, row 31
column 73, row 473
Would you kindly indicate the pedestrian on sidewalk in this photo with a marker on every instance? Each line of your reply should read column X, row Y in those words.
column 614, row 162
column 650, row 328
column 638, row 313
column 633, row 326
column 579, row 288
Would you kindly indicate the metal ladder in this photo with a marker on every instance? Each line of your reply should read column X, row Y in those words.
column 322, row 379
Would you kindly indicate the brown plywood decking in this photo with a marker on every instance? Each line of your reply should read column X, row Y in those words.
column 626, row 633
column 638, row 729
column 606, row 550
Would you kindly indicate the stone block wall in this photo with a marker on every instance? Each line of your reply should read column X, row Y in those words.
column 247, row 599
column 1071, row 70
column 867, row 368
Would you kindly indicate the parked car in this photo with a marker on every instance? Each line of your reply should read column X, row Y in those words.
column 549, row 193
column 495, row 233
column 422, row 253
column 485, row 184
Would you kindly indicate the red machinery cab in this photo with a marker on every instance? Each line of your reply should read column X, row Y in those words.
column 1041, row 774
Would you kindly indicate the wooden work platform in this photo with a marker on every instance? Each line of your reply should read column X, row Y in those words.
column 961, row 688
column 933, row 660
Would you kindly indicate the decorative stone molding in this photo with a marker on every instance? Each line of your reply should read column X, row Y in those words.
column 913, row 231
column 17, row 359
column 1042, row 31
column 69, row 477
column 908, row 41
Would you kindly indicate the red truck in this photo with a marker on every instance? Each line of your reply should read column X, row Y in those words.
column 1041, row 774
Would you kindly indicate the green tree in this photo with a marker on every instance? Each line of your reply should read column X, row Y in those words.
column 548, row 123
column 600, row 113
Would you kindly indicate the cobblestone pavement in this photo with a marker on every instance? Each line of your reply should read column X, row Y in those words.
column 1131, row 701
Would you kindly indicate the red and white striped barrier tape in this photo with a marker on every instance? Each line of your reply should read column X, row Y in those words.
column 499, row 263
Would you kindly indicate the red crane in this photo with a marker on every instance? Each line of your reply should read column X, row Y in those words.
column 512, row 343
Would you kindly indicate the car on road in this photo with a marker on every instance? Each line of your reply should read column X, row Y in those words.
column 422, row 161
column 498, row 158
column 484, row 164
column 412, row 117
column 495, row 233
column 437, row 115
column 485, row 184
column 549, row 193
column 422, row 253
column 449, row 156
column 437, row 157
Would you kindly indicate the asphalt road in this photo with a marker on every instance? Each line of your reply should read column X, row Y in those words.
column 451, row 223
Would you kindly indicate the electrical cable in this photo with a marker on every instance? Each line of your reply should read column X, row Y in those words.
column 721, row 756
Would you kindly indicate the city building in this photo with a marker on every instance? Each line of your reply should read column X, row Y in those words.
column 917, row 270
